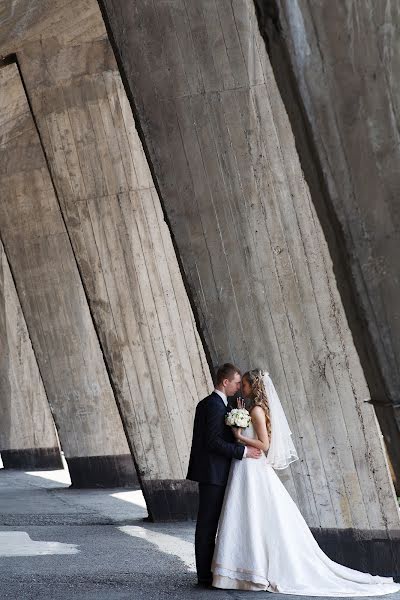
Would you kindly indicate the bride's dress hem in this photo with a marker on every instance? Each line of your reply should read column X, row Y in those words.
column 238, row 579
column 242, row 580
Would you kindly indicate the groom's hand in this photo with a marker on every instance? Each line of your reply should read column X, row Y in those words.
column 253, row 452
column 236, row 432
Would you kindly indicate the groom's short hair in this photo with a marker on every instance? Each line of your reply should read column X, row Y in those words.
column 226, row 371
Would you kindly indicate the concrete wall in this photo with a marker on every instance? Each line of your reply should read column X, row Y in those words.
column 337, row 66
column 222, row 153
column 27, row 435
column 126, row 259
column 53, row 301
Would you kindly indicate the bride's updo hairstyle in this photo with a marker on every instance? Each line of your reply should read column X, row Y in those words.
column 258, row 396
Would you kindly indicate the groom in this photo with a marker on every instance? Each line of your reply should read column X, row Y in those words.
column 213, row 448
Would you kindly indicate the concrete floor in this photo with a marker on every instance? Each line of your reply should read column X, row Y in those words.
column 58, row 543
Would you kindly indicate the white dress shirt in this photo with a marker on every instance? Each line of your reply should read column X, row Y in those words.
column 222, row 395
column 225, row 401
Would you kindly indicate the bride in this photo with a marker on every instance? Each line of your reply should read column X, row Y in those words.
column 263, row 542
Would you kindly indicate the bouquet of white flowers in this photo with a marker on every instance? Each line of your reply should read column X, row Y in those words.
column 238, row 417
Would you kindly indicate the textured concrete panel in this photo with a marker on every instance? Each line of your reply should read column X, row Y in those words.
column 52, row 298
column 342, row 94
column 27, row 434
column 72, row 21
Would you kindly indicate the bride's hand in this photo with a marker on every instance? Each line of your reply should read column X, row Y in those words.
column 241, row 403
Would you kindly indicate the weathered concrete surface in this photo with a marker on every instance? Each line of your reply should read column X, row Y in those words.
column 72, row 21
column 27, row 435
column 53, row 301
column 126, row 259
column 254, row 254
column 343, row 61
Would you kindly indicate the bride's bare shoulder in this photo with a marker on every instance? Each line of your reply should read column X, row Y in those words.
column 256, row 411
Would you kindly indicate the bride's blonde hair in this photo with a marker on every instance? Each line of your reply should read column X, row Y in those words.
column 258, row 395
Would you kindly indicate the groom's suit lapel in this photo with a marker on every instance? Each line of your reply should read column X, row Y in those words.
column 219, row 398
column 226, row 408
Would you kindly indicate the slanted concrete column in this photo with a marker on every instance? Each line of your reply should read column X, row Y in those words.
column 27, row 434
column 126, row 258
column 54, row 303
column 223, row 155
column 342, row 95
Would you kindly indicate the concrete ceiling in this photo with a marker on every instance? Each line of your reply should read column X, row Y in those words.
column 22, row 21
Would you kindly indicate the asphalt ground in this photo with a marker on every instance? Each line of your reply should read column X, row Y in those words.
column 62, row 544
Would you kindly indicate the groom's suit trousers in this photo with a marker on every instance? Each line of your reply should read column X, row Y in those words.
column 210, row 504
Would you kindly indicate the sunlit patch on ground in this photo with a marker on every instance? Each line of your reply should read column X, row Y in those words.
column 18, row 543
column 168, row 544
column 134, row 497
column 59, row 476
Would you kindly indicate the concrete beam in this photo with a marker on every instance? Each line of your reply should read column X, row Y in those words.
column 54, row 303
column 341, row 96
column 27, row 435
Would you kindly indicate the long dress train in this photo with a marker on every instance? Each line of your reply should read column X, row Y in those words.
column 263, row 542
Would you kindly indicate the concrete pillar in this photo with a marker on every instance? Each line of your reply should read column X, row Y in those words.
column 54, row 303
column 126, row 258
column 222, row 153
column 341, row 93
column 27, row 435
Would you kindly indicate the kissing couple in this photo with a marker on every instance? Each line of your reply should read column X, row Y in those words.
column 263, row 543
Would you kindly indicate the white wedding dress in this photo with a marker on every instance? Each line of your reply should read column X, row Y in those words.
column 263, row 542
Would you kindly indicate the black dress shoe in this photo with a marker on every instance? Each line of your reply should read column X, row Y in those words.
column 204, row 583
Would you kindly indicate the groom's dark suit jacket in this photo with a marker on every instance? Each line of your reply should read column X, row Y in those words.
column 214, row 444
